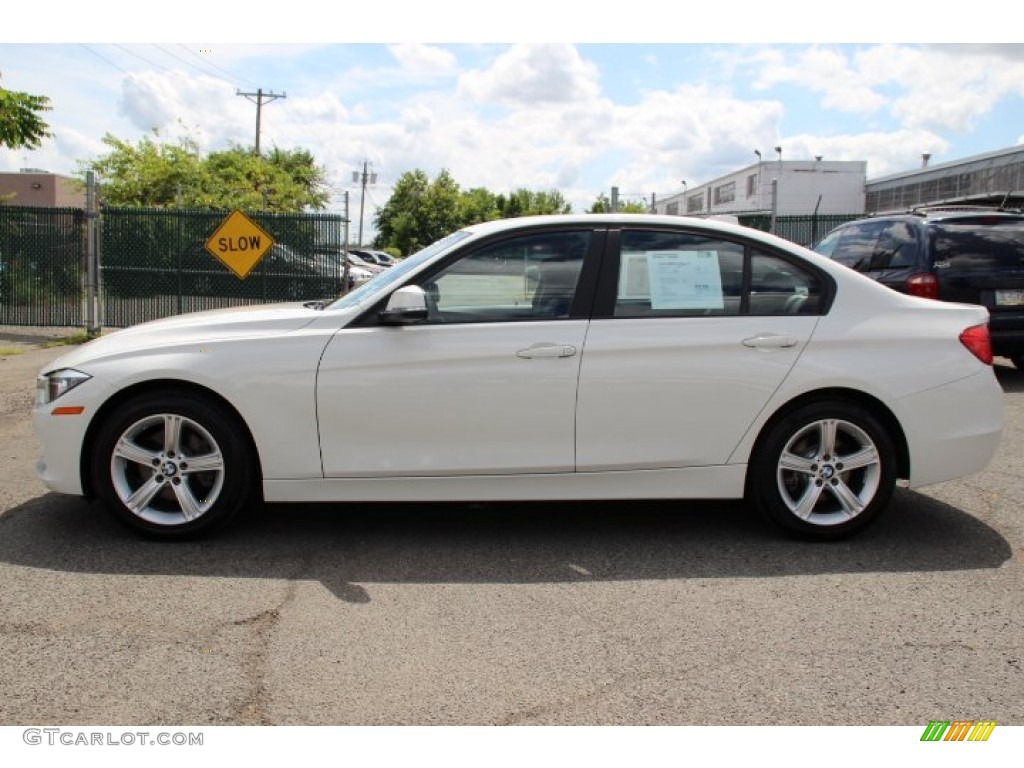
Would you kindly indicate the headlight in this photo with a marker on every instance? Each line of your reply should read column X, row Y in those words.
column 52, row 385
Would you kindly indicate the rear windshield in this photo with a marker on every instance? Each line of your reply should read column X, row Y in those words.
column 979, row 243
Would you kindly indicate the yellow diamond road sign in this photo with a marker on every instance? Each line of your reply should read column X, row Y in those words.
column 239, row 243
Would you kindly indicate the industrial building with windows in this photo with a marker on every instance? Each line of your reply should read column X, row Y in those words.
column 808, row 187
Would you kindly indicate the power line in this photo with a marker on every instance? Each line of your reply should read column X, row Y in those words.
column 214, row 66
column 176, row 57
column 140, row 57
column 99, row 55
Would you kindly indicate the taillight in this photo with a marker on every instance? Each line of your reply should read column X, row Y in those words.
column 925, row 285
column 977, row 340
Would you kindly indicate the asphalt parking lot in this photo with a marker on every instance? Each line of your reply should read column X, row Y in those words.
column 611, row 613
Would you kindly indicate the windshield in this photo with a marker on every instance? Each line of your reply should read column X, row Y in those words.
column 398, row 272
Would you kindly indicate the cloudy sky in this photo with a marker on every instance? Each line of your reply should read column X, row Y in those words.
column 656, row 105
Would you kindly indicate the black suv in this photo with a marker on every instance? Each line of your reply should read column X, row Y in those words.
column 971, row 256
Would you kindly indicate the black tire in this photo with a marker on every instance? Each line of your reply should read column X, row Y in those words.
column 824, row 471
column 173, row 465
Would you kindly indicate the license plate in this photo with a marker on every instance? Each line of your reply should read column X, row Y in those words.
column 1010, row 298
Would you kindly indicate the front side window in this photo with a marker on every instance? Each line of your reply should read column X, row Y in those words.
column 531, row 277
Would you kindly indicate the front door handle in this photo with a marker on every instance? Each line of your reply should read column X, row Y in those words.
column 547, row 350
column 770, row 341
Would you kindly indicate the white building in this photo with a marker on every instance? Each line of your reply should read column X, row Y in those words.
column 787, row 188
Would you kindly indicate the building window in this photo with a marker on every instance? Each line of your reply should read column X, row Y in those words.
column 695, row 204
column 725, row 193
column 672, row 209
column 752, row 185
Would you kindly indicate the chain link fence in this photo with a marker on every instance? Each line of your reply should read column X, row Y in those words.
column 154, row 262
column 41, row 262
column 802, row 230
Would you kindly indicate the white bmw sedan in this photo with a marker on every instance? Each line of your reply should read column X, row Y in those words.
column 568, row 357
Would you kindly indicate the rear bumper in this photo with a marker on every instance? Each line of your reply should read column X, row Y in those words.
column 1006, row 328
column 953, row 430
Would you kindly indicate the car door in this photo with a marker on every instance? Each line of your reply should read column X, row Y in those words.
column 692, row 335
column 486, row 385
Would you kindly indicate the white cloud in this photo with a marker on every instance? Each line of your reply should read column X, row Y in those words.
column 929, row 87
column 947, row 87
column 424, row 59
column 692, row 133
column 174, row 103
column 885, row 152
column 824, row 70
column 547, row 74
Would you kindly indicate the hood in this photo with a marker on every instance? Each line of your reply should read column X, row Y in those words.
column 195, row 327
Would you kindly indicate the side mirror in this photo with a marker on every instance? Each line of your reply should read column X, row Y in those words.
column 406, row 306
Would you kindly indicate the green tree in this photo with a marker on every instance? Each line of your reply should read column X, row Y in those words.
column 399, row 220
column 526, row 202
column 151, row 173
column 421, row 211
column 478, row 204
column 604, row 205
column 21, row 127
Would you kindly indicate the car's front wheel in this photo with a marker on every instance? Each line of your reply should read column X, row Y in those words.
column 825, row 470
column 172, row 465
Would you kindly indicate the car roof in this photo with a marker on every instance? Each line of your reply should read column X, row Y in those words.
column 939, row 214
column 624, row 220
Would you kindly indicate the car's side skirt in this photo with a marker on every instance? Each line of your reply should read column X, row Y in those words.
column 718, row 482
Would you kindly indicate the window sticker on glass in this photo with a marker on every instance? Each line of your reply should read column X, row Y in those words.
column 685, row 280
column 634, row 284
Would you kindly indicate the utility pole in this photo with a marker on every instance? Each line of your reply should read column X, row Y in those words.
column 344, row 252
column 259, row 99
column 363, row 178
column 93, row 321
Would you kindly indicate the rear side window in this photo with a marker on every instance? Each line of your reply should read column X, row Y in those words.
column 663, row 274
column 982, row 243
column 873, row 246
column 778, row 287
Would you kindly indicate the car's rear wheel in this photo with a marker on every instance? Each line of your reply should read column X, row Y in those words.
column 825, row 470
column 173, row 465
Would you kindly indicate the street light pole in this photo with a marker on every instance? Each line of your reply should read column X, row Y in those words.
column 775, row 192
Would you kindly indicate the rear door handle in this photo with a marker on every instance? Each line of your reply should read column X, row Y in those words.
column 547, row 350
column 770, row 341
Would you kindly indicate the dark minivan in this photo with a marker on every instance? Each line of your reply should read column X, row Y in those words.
column 970, row 256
